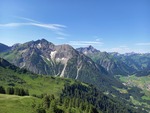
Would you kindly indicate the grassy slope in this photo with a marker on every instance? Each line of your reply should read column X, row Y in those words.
column 35, row 84
column 141, row 82
column 17, row 104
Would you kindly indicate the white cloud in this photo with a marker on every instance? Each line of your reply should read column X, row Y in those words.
column 61, row 33
column 48, row 26
column 12, row 24
column 85, row 43
column 143, row 44
column 27, row 19
column 56, row 28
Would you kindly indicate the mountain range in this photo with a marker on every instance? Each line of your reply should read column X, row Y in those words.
column 118, row 64
column 87, row 65
column 66, row 94
column 43, row 57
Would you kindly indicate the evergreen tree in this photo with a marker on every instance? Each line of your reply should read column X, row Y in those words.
column 66, row 102
column 46, row 101
column 40, row 110
column 87, row 109
column 26, row 92
column 77, row 102
column 52, row 97
column 20, row 92
column 10, row 90
column 52, row 106
column 16, row 91
column 2, row 90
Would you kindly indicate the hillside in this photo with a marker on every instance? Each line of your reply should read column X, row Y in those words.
column 57, row 90
column 139, row 62
column 143, row 83
column 119, row 64
column 58, row 65
column 113, row 65
column 43, row 57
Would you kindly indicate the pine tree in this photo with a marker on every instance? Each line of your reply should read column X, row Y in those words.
column 10, row 90
column 87, row 109
column 76, row 102
column 52, row 97
column 40, row 110
column 2, row 90
column 52, row 106
column 26, row 92
column 46, row 101
column 16, row 91
column 66, row 102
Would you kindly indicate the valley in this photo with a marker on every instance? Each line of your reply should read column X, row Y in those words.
column 141, row 82
column 74, row 56
column 110, row 80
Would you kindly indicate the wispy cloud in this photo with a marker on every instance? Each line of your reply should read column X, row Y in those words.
column 57, row 28
column 27, row 19
column 143, row 44
column 12, row 24
column 48, row 26
column 61, row 33
column 60, row 38
column 85, row 43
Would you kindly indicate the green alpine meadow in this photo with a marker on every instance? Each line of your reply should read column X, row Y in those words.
column 74, row 56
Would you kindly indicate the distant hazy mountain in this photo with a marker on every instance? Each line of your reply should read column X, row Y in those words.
column 119, row 64
column 88, row 50
column 113, row 65
column 3, row 47
column 135, row 60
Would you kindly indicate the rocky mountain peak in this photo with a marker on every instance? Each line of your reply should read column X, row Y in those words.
column 41, row 41
column 91, row 47
column 87, row 50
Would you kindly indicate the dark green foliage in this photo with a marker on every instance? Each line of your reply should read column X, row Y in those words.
column 6, row 64
column 40, row 110
column 17, row 91
column 136, row 93
column 82, row 96
column 2, row 90
column 47, row 100
column 52, row 106
column 21, row 92
column 144, row 72
column 10, row 90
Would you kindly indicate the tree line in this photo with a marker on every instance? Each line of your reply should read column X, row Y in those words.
column 14, row 91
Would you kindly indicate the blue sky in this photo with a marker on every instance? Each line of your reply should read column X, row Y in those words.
column 108, row 25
